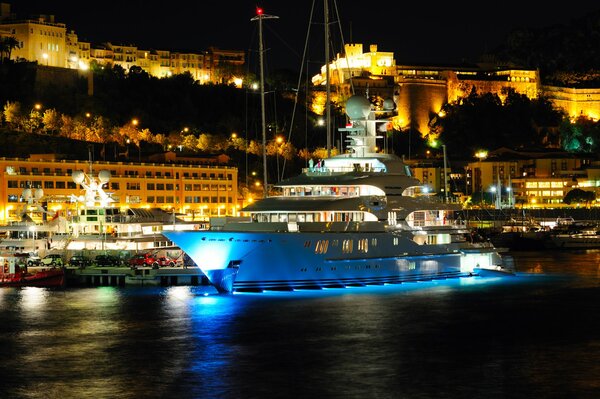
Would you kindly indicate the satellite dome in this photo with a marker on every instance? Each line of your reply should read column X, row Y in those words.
column 358, row 107
column 27, row 193
column 104, row 176
column 388, row 104
column 38, row 194
column 78, row 176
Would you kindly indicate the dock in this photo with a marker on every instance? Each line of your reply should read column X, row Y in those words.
column 94, row 276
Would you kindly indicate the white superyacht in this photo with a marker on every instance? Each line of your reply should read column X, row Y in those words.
column 358, row 218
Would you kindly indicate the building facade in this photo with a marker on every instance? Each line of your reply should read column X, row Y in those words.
column 196, row 191
column 49, row 43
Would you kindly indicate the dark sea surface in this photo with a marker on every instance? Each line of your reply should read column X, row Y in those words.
column 536, row 335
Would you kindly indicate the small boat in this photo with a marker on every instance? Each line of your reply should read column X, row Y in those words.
column 571, row 234
column 54, row 277
column 520, row 234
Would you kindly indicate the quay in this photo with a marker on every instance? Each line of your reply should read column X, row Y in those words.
column 94, row 276
column 496, row 218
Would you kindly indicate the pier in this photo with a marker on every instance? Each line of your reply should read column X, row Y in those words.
column 93, row 276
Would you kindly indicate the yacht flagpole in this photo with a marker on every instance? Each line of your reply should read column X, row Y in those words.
column 259, row 17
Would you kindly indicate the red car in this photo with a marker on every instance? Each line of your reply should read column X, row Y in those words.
column 165, row 261
column 143, row 260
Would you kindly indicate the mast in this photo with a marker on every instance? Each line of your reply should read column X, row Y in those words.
column 445, row 175
column 327, row 83
column 259, row 17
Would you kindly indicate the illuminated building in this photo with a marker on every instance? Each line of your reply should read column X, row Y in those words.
column 47, row 42
column 198, row 191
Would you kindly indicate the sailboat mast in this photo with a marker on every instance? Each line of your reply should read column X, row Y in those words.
column 327, row 82
column 259, row 17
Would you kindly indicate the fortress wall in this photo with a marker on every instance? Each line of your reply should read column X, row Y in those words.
column 418, row 99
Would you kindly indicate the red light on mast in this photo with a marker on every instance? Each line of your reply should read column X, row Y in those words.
column 259, row 11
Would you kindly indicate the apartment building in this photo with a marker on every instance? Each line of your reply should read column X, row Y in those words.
column 527, row 179
column 44, row 40
column 198, row 191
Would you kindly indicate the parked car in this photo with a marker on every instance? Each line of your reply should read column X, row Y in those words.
column 53, row 260
column 107, row 260
column 165, row 261
column 146, row 259
column 79, row 261
column 28, row 258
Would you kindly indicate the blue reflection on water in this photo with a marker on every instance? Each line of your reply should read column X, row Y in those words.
column 523, row 336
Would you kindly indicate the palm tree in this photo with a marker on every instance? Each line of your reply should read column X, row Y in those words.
column 7, row 45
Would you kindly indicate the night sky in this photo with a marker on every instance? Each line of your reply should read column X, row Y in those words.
column 416, row 32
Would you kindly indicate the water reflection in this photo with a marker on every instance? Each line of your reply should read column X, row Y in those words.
column 529, row 334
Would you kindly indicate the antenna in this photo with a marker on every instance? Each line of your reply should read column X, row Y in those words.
column 327, row 77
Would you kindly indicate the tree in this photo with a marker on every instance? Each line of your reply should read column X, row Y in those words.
column 12, row 113
column 190, row 142
column 51, row 121
column 7, row 45
column 578, row 195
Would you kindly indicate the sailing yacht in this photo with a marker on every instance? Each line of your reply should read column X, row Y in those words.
column 359, row 218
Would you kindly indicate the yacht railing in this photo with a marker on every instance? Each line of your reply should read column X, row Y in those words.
column 340, row 169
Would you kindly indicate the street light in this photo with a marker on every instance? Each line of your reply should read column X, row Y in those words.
column 481, row 155
column 278, row 140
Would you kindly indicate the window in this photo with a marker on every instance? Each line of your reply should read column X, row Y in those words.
column 133, row 185
column 13, row 184
column 114, row 186
column 48, row 184
column 160, row 186
column 150, row 186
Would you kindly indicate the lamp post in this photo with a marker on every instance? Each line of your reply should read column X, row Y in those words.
column 278, row 142
column 481, row 155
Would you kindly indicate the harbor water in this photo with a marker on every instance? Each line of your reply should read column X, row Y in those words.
column 536, row 335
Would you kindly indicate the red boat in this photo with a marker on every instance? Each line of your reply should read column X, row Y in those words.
column 54, row 277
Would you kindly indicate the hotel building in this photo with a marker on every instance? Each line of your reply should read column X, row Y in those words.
column 198, row 191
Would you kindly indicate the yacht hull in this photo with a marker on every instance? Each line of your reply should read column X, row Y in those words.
column 256, row 261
